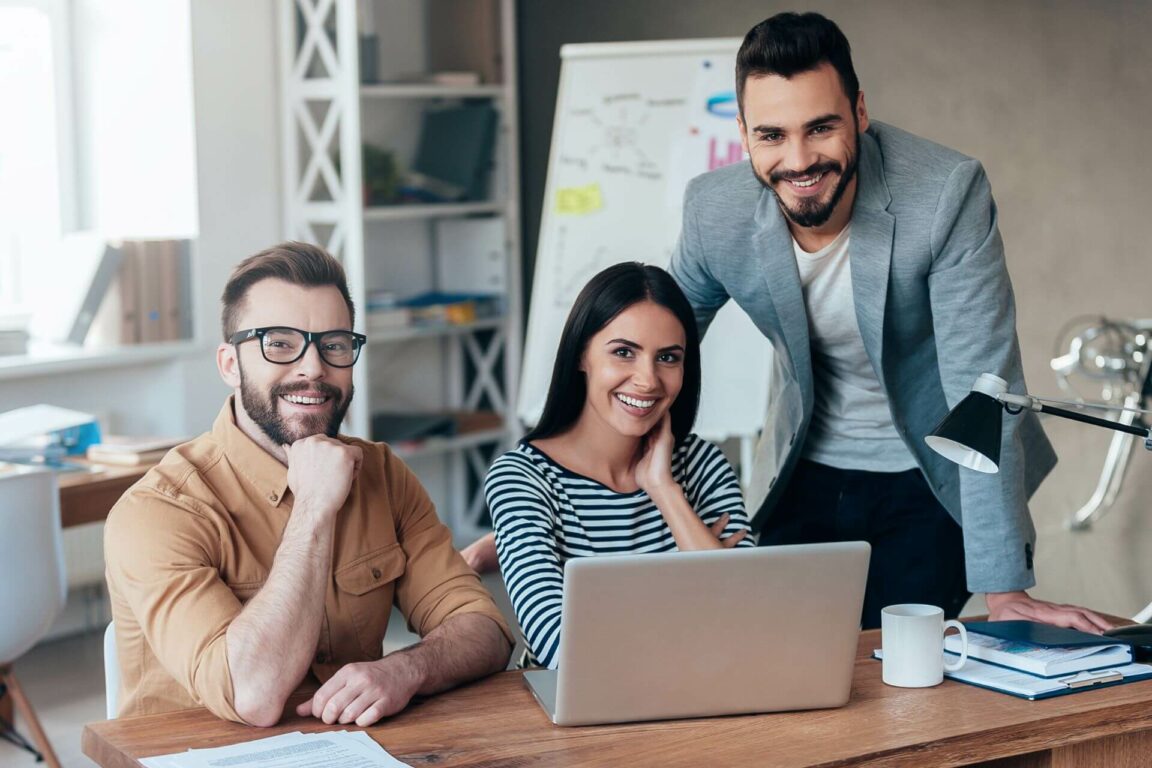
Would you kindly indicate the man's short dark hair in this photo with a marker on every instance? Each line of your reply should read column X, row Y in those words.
column 293, row 262
column 790, row 43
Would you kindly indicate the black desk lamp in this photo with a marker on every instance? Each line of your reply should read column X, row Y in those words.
column 970, row 434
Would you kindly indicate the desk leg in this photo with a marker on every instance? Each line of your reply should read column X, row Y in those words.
column 1130, row 750
column 6, row 712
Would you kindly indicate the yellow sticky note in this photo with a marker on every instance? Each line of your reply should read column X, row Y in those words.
column 578, row 201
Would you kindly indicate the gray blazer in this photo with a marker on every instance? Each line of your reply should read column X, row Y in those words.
column 935, row 309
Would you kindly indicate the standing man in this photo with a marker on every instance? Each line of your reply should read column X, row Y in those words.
column 266, row 554
column 872, row 260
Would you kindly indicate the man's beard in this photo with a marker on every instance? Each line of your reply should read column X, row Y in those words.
column 812, row 212
column 264, row 412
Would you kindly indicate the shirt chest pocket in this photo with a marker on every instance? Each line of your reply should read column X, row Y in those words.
column 365, row 588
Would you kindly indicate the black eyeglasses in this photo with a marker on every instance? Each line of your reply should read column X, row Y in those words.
column 283, row 345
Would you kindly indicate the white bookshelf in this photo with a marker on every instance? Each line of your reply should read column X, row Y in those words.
column 327, row 114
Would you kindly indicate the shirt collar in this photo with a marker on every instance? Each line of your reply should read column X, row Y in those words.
column 260, row 468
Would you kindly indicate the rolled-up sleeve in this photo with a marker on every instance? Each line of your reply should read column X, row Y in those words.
column 159, row 562
column 437, row 584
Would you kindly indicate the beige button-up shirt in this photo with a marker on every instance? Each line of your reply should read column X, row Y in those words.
column 191, row 542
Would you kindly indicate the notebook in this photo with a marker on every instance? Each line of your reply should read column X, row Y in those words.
column 697, row 634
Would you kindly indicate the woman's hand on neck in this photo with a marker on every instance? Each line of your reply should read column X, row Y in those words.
column 653, row 468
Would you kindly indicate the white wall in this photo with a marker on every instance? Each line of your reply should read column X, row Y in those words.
column 234, row 69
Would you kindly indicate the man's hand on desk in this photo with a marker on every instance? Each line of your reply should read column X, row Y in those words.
column 365, row 692
column 1006, row 606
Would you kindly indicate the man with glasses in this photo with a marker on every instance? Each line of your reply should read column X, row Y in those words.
column 263, row 558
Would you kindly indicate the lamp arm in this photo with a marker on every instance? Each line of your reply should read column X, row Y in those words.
column 1034, row 404
column 1020, row 401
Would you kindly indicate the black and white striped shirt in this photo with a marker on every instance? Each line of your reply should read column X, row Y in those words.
column 545, row 515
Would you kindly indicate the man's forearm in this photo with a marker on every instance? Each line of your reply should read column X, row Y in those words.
column 463, row 648
column 272, row 641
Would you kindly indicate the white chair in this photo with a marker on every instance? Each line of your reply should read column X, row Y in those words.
column 111, row 672
column 32, row 583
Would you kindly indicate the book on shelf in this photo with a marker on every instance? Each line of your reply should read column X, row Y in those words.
column 466, row 37
column 1039, row 649
column 150, row 299
column 387, row 319
column 14, row 334
column 13, row 342
column 442, row 77
column 441, row 308
column 130, row 450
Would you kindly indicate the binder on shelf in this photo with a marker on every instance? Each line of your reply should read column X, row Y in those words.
column 106, row 271
column 155, row 291
column 87, row 268
column 465, row 36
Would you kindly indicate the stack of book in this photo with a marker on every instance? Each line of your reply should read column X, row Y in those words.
column 131, row 451
column 436, row 308
column 1037, row 661
column 433, row 308
column 13, row 341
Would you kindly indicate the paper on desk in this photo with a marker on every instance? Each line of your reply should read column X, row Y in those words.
column 339, row 749
column 976, row 672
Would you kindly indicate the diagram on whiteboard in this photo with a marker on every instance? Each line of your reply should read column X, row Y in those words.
column 613, row 136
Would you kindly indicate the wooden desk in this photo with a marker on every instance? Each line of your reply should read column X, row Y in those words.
column 87, row 497
column 496, row 722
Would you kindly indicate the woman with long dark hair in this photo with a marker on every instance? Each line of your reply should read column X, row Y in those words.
column 612, row 466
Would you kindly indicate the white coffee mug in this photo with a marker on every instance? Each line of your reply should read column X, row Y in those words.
column 913, row 642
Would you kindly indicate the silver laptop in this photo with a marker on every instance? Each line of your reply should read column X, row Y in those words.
column 696, row 634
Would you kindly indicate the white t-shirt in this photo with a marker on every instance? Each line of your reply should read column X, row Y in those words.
column 851, row 422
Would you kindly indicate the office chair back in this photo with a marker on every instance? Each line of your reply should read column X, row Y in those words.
column 32, row 578
column 32, row 585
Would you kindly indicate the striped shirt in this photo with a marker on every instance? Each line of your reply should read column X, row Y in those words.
column 545, row 515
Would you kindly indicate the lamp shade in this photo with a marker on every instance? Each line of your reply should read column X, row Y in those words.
column 970, row 434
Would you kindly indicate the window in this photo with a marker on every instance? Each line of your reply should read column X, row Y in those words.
column 36, row 168
column 97, row 135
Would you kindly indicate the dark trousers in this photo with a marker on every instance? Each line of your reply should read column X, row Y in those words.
column 917, row 548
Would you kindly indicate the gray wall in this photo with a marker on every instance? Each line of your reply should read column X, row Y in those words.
column 1053, row 96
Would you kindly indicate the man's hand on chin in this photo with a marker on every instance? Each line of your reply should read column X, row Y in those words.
column 365, row 692
column 1006, row 606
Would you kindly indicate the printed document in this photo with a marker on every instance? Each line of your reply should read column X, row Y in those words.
column 340, row 749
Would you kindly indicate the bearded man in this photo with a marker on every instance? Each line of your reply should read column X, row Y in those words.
column 263, row 558
column 872, row 260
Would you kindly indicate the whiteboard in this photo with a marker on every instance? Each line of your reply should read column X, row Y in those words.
column 634, row 123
